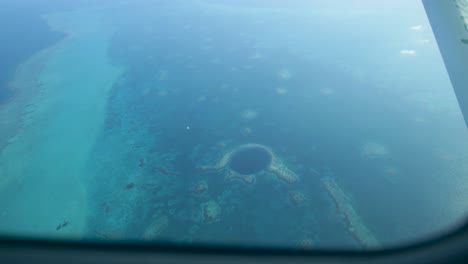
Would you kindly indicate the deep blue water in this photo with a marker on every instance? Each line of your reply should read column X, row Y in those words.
column 203, row 91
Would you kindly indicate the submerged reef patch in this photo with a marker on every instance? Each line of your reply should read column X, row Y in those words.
column 155, row 229
column 199, row 188
column 211, row 212
column 247, row 179
column 297, row 198
column 356, row 227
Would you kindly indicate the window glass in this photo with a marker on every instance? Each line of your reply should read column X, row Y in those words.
column 297, row 124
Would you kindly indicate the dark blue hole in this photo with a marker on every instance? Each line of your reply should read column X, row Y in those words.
column 250, row 160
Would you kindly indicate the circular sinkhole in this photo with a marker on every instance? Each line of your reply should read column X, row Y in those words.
column 250, row 160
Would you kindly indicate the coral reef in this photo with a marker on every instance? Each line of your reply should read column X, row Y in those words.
column 278, row 168
column 356, row 227
column 297, row 198
column 211, row 212
column 200, row 188
column 156, row 228
column 247, row 179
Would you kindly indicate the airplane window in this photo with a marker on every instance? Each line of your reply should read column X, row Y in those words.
column 261, row 123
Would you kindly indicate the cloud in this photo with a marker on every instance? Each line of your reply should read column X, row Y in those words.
column 408, row 52
column 417, row 28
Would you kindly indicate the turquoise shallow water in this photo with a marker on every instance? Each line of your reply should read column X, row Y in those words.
column 44, row 161
column 137, row 112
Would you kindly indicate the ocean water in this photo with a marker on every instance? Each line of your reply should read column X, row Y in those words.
column 120, row 124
